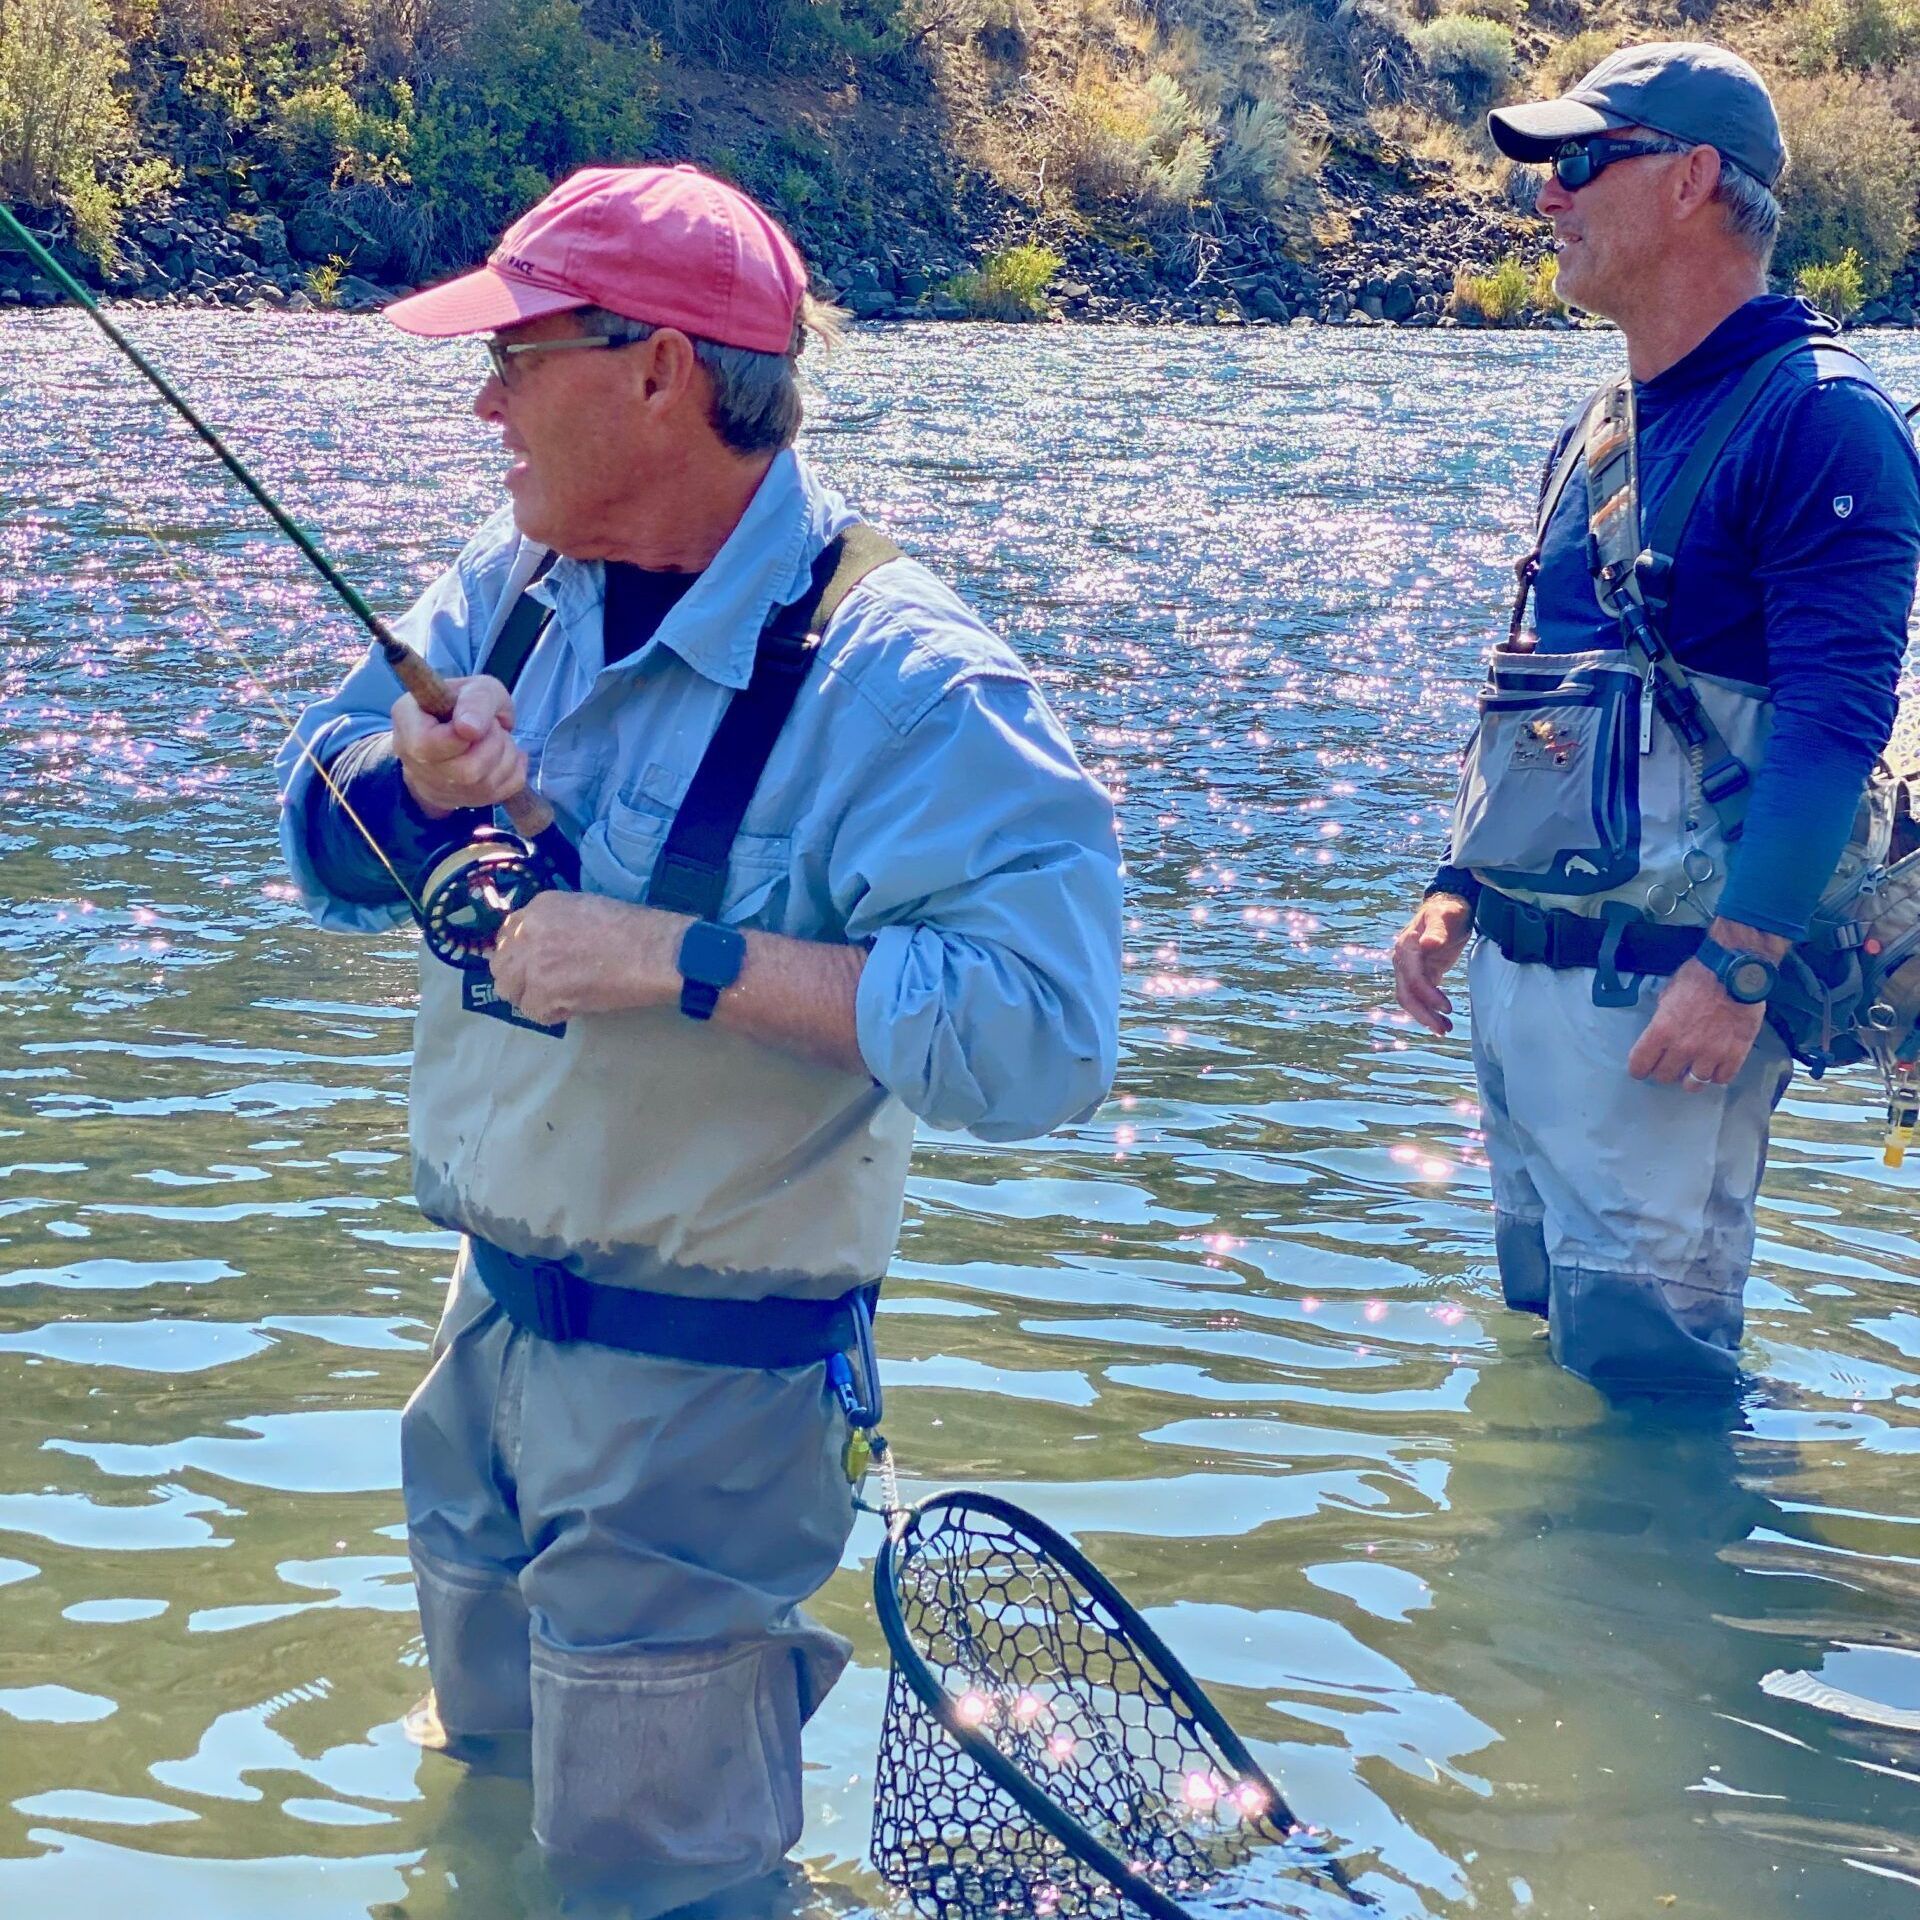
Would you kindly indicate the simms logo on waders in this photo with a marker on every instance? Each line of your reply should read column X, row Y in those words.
column 1842, row 505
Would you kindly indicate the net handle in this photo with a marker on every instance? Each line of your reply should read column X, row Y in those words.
column 913, row 1667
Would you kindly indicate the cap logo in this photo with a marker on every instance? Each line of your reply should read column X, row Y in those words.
column 1842, row 505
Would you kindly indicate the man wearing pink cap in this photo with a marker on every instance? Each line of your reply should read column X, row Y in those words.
column 839, row 868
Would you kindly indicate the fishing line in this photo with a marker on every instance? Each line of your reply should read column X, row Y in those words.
column 197, row 594
column 474, row 889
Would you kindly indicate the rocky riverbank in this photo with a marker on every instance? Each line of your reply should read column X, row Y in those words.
column 1393, row 265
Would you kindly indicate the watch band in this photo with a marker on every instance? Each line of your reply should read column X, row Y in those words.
column 710, row 958
column 1724, row 962
column 698, row 998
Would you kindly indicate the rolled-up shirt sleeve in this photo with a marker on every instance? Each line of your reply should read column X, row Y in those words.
column 981, row 863
column 437, row 625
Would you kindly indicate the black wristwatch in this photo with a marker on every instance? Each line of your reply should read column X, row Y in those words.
column 1747, row 977
column 711, row 957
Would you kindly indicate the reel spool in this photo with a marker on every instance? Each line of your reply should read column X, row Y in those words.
column 473, row 889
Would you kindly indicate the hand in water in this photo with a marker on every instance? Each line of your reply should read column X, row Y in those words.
column 468, row 761
column 1428, row 946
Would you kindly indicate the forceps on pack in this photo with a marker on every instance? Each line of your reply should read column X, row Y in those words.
column 1663, row 901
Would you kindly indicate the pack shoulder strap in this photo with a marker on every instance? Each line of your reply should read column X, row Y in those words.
column 1566, row 463
column 691, row 874
column 519, row 631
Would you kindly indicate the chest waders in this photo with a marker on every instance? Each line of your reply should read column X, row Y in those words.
column 1605, row 791
column 549, row 1296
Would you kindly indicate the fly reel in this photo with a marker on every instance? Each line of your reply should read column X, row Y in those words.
column 473, row 889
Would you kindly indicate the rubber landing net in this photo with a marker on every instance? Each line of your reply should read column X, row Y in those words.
column 1042, row 1752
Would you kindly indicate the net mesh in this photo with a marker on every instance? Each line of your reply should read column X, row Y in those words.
column 1042, row 1668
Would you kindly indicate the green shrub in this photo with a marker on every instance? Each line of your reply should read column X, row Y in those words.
column 532, row 96
column 1855, row 35
column 65, row 132
column 1854, row 177
column 324, row 131
column 1263, row 157
column 1511, row 289
column 1573, row 59
column 1509, row 13
column 775, row 36
column 1145, row 143
column 1009, row 285
column 1836, row 287
column 1466, row 60
column 323, row 282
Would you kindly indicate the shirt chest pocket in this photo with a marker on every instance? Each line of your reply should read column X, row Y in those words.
column 620, row 851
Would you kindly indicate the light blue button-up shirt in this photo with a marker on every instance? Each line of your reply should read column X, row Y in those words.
column 922, row 801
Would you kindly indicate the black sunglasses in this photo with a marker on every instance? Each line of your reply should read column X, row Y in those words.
column 1577, row 162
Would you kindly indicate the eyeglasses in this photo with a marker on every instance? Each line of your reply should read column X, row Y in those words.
column 1579, row 162
column 501, row 352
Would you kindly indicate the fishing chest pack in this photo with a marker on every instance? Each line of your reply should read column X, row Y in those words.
column 1636, row 823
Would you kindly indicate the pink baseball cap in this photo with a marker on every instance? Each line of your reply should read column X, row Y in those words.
column 668, row 245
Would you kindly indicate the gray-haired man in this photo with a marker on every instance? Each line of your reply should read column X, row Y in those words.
column 1668, row 769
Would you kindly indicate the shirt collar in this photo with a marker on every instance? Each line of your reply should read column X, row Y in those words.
column 765, row 563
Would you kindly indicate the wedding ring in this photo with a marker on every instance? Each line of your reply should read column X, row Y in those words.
column 1694, row 1080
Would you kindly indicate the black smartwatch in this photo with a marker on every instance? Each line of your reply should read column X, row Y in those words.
column 1747, row 977
column 711, row 957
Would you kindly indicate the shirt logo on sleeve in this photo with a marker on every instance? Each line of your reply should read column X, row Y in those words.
column 1842, row 505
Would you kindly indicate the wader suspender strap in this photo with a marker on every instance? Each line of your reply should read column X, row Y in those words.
column 691, row 873
column 519, row 631
column 1633, row 576
column 1551, row 495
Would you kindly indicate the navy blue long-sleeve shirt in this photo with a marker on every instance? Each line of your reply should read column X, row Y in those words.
column 1795, row 572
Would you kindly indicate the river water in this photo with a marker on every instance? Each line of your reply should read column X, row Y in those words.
column 1239, row 1334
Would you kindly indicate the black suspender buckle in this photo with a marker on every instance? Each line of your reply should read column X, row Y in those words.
column 558, row 1297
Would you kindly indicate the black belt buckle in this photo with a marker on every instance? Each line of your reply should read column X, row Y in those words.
column 1529, row 936
column 558, row 1297
column 1609, row 990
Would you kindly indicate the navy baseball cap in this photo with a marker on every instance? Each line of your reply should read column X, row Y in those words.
column 1685, row 89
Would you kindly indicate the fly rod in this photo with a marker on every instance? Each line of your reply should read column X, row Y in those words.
column 531, row 815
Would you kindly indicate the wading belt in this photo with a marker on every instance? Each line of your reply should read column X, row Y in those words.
column 1554, row 937
column 548, row 1299
column 690, row 876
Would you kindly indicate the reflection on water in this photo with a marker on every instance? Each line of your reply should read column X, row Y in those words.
column 1238, row 1334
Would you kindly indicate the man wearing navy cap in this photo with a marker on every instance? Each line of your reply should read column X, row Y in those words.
column 1668, row 767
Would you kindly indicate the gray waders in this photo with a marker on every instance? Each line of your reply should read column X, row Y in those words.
column 623, row 1472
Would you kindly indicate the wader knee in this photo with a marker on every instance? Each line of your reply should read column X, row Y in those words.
column 679, row 1763
column 1520, row 1246
column 1630, row 1333
column 475, row 1623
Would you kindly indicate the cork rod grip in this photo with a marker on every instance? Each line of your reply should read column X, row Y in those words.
column 531, row 816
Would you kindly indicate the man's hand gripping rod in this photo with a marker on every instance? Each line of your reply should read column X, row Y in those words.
column 470, row 894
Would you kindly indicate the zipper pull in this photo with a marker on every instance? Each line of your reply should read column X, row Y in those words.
column 1646, row 711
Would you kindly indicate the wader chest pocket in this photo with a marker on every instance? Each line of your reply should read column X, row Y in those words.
column 1550, row 794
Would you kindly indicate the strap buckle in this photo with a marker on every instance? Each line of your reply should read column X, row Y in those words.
column 559, row 1298
column 684, row 884
column 860, row 1395
column 1653, row 573
column 1609, row 989
column 1529, row 941
column 1723, row 779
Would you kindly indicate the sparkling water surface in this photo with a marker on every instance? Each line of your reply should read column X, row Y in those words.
column 1239, row 1334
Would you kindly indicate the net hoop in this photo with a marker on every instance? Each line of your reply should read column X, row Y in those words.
column 911, row 1665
